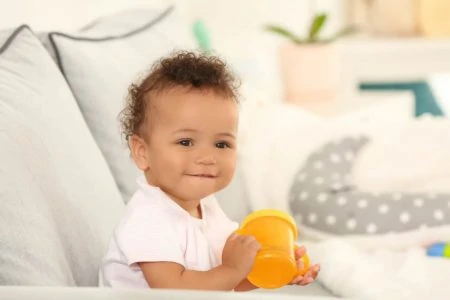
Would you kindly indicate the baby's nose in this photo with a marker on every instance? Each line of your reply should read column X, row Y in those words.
column 206, row 160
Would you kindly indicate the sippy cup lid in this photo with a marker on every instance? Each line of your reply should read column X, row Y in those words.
column 271, row 213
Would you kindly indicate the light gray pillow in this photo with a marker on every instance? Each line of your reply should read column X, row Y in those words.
column 323, row 198
column 58, row 200
column 101, row 62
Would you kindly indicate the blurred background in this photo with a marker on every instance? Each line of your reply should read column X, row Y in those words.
column 399, row 46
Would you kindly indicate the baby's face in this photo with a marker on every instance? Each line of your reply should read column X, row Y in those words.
column 191, row 142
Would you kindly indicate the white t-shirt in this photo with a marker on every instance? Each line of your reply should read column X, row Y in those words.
column 154, row 228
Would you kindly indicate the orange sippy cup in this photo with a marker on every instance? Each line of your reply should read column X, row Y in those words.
column 275, row 264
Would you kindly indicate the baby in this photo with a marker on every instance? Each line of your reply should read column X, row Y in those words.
column 181, row 126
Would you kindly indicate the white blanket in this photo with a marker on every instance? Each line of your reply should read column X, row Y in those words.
column 382, row 273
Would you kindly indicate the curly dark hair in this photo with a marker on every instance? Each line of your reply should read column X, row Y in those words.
column 183, row 68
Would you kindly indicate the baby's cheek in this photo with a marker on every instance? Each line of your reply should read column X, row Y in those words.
column 225, row 180
column 230, row 167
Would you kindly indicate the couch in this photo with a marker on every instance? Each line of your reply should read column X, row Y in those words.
column 66, row 175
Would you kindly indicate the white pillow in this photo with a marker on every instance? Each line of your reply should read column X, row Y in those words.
column 101, row 62
column 415, row 157
column 273, row 140
column 276, row 140
column 59, row 202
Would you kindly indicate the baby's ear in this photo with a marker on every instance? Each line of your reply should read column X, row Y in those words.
column 139, row 152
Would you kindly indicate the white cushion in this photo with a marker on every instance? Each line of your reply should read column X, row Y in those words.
column 415, row 157
column 100, row 63
column 59, row 202
column 274, row 140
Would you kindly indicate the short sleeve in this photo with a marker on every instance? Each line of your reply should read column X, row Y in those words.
column 149, row 236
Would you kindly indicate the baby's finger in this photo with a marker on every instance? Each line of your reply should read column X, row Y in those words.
column 315, row 271
column 244, row 238
column 255, row 245
column 248, row 239
column 297, row 279
column 299, row 252
column 306, row 281
column 308, row 274
column 233, row 236
column 300, row 264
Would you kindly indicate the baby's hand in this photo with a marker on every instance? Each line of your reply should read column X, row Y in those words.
column 239, row 253
column 310, row 275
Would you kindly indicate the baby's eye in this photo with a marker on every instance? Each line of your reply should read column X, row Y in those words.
column 186, row 143
column 222, row 145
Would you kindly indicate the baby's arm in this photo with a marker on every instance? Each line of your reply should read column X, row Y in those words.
column 237, row 257
column 174, row 276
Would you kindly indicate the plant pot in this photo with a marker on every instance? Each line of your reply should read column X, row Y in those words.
column 310, row 73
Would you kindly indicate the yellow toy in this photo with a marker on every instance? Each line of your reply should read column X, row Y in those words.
column 275, row 264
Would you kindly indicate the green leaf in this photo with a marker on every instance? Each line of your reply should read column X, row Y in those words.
column 283, row 32
column 343, row 32
column 316, row 26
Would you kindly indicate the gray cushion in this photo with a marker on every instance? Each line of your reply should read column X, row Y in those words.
column 59, row 202
column 323, row 197
column 101, row 62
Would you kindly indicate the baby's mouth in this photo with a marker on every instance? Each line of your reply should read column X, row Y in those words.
column 211, row 176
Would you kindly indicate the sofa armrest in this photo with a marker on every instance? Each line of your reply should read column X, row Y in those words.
column 91, row 293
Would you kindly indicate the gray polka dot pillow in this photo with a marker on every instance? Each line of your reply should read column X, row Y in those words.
column 323, row 198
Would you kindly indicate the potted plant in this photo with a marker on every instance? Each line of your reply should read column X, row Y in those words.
column 310, row 65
